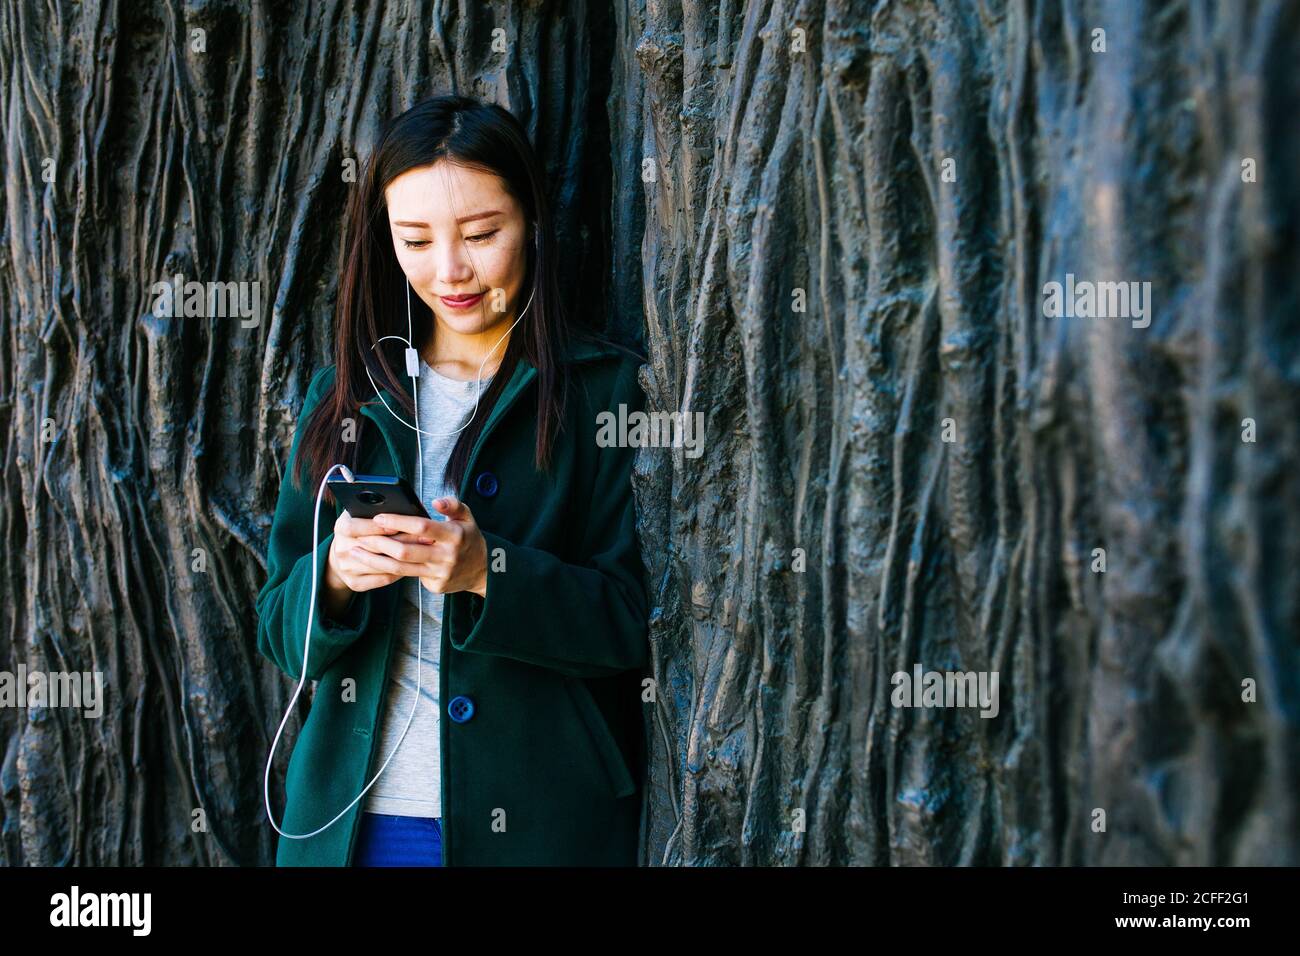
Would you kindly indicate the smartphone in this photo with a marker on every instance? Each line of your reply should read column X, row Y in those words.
column 372, row 495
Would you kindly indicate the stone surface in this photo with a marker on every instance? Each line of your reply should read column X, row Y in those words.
column 758, row 194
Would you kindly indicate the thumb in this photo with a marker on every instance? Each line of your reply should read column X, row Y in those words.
column 453, row 508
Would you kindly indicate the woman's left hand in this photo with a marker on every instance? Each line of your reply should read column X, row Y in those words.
column 446, row 556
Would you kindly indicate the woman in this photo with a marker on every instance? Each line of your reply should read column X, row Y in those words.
column 520, row 614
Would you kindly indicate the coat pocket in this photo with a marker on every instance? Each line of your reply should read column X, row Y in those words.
column 621, row 782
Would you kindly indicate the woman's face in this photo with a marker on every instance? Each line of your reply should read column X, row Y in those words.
column 458, row 232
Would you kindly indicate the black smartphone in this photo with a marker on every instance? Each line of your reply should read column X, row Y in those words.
column 372, row 495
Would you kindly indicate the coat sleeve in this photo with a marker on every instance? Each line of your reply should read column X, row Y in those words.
column 282, row 605
column 583, row 620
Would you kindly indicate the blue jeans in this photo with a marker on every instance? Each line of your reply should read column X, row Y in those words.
column 389, row 840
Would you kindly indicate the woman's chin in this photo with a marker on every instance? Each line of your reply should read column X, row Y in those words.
column 474, row 324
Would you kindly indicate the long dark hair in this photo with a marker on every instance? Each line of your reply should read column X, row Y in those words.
column 466, row 132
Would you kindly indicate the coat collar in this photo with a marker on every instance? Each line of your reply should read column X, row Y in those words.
column 401, row 440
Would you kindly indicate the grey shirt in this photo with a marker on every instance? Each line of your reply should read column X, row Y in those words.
column 411, row 784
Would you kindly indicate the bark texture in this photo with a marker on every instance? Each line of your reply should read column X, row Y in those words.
column 823, row 171
column 905, row 461
column 170, row 435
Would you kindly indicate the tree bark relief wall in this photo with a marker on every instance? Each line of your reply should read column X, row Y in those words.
column 846, row 214
column 144, row 454
column 857, row 211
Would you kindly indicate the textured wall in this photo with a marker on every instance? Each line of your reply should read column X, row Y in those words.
column 1120, row 690
column 225, row 164
column 946, row 456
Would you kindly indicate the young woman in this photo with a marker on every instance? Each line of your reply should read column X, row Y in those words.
column 479, row 675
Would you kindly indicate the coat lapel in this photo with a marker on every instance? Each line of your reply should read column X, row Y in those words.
column 400, row 439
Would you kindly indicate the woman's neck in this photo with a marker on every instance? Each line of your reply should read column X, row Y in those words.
column 459, row 356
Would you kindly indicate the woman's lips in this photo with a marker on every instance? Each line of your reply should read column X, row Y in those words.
column 460, row 302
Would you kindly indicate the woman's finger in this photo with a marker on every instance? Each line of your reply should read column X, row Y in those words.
column 368, row 581
column 402, row 551
column 382, row 562
column 350, row 564
column 357, row 527
column 410, row 538
column 412, row 524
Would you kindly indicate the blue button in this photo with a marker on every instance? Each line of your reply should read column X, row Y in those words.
column 486, row 485
column 461, row 709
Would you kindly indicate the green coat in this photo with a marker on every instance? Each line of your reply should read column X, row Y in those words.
column 547, row 767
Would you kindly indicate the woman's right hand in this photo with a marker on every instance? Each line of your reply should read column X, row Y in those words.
column 344, row 572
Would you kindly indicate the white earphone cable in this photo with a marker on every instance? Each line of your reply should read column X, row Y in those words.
column 412, row 369
column 311, row 611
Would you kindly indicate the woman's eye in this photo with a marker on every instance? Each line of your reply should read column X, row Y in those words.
column 421, row 243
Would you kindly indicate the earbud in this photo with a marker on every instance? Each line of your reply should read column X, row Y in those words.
column 413, row 367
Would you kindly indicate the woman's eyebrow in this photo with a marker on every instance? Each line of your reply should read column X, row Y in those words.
column 469, row 218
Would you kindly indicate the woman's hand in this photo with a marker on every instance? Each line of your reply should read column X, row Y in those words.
column 446, row 556
column 344, row 571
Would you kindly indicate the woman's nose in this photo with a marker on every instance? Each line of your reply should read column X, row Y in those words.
column 453, row 266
